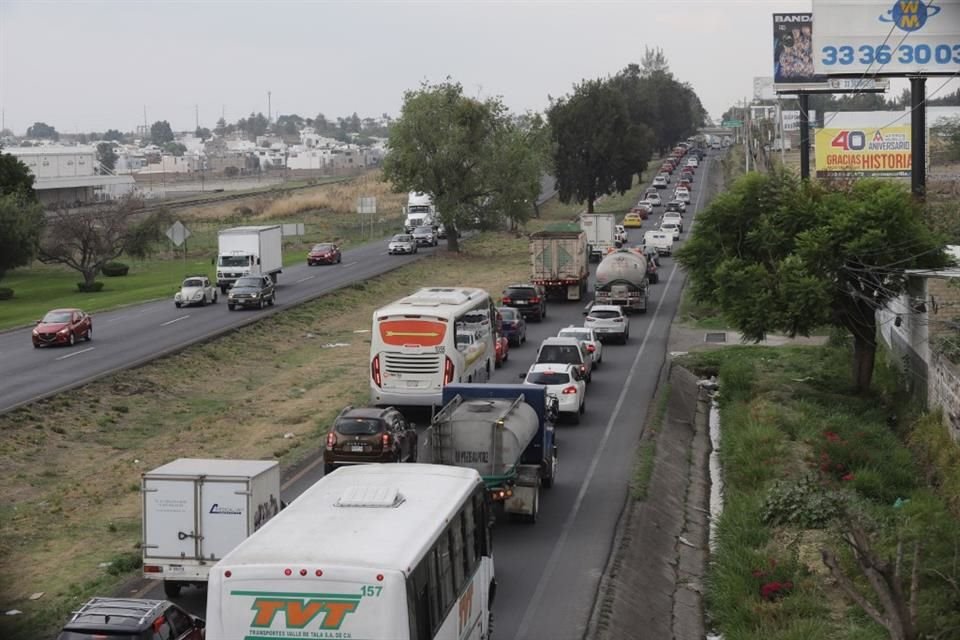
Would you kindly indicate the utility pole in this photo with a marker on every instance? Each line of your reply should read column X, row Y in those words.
column 747, row 141
column 145, row 130
column 269, row 106
column 196, row 114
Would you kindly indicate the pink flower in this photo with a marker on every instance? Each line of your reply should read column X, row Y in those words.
column 847, row 478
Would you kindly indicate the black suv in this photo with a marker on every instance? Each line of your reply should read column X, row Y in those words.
column 252, row 291
column 369, row 434
column 130, row 619
column 529, row 299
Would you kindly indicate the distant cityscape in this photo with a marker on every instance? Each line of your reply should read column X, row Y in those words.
column 73, row 170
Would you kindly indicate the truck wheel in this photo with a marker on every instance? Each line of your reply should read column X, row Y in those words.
column 273, row 300
column 273, row 278
column 532, row 518
column 176, row 304
column 171, row 588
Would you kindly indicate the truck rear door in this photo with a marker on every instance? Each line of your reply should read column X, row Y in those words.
column 169, row 518
column 223, row 517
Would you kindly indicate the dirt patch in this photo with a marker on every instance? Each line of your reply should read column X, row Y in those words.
column 71, row 465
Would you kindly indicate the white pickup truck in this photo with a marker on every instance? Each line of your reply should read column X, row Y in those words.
column 662, row 241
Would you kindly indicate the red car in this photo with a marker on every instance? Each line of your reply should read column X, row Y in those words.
column 324, row 253
column 62, row 326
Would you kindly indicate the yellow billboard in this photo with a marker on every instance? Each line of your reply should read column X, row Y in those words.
column 863, row 153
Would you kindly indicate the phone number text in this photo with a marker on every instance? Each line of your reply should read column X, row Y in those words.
column 904, row 54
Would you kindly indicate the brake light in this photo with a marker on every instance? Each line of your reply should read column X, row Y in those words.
column 583, row 369
column 447, row 370
column 375, row 370
column 535, row 299
column 569, row 390
column 506, row 300
column 618, row 319
column 152, row 568
column 386, row 439
column 591, row 348
column 331, row 440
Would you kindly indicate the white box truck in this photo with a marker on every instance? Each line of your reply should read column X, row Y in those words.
column 195, row 511
column 601, row 230
column 244, row 251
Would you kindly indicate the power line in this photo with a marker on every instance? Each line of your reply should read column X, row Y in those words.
column 924, row 101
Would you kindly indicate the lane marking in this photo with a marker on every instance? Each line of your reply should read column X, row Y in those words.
column 76, row 353
column 526, row 622
column 350, row 264
column 303, row 279
column 174, row 320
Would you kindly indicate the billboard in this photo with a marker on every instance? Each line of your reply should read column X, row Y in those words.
column 793, row 49
column 863, row 153
column 763, row 88
column 791, row 119
column 887, row 37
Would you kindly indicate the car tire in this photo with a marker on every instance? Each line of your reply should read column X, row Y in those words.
column 203, row 300
column 506, row 356
column 88, row 336
column 171, row 589
column 36, row 346
column 177, row 305
column 583, row 407
column 575, row 417
column 497, row 364
column 260, row 304
column 216, row 297
column 72, row 340
column 273, row 300
column 231, row 307
column 339, row 259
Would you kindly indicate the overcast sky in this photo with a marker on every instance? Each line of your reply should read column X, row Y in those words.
column 89, row 66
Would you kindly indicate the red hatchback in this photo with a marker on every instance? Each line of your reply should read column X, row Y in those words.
column 62, row 326
column 324, row 253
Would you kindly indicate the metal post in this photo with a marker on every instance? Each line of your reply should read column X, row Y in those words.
column 783, row 143
column 918, row 131
column 804, row 136
column 747, row 135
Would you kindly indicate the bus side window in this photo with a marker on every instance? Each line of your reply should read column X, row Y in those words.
column 483, row 526
column 469, row 540
column 418, row 596
column 456, row 541
column 445, row 562
column 434, row 589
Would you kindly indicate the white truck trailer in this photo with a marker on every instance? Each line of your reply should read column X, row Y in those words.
column 601, row 230
column 244, row 251
column 195, row 511
column 420, row 211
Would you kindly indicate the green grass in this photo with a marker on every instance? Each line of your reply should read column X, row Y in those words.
column 647, row 451
column 700, row 315
column 787, row 413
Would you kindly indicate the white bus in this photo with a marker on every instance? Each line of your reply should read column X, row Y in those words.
column 432, row 337
column 370, row 552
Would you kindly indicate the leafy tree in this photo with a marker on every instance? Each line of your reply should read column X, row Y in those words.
column 354, row 125
column 221, row 127
column 455, row 148
column 203, row 133
column 175, row 149
column 15, row 177
column 22, row 219
column 778, row 254
column 86, row 240
column 82, row 138
column 950, row 134
column 6, row 133
column 42, row 130
column 654, row 61
column 255, row 125
column 113, row 134
column 106, row 155
column 595, row 143
column 161, row 133
column 289, row 125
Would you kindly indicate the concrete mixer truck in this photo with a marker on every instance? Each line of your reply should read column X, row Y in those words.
column 622, row 279
column 503, row 431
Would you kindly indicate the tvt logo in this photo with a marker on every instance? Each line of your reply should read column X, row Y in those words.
column 910, row 15
column 299, row 612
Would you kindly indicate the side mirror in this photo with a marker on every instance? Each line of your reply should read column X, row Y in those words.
column 39, row 321
column 199, row 624
column 521, row 375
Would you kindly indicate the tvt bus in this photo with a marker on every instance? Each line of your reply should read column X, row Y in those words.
column 431, row 338
column 370, row 552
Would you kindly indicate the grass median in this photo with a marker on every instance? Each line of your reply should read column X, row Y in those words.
column 805, row 460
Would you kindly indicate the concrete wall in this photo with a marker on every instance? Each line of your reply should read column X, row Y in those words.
column 944, row 392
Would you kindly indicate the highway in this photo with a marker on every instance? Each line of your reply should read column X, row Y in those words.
column 548, row 573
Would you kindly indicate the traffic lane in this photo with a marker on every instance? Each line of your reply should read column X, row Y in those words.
column 134, row 335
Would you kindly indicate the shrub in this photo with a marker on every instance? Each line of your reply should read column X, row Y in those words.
column 93, row 287
column 114, row 269
column 804, row 502
column 6, row 293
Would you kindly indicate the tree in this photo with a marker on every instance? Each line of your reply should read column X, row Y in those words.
column 456, row 149
column 113, row 134
column 654, row 61
column 203, row 133
column 778, row 254
column 288, row 125
column 174, row 149
column 254, row 126
column 221, row 127
column 354, row 125
column 86, row 240
column 595, row 143
column 161, row 133
column 106, row 155
column 42, row 130
column 15, row 177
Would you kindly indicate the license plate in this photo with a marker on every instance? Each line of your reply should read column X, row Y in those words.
column 174, row 568
column 521, row 302
column 357, row 448
column 412, row 383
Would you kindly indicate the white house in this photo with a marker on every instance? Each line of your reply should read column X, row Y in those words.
column 71, row 176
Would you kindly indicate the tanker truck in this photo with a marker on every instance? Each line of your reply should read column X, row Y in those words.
column 622, row 280
column 503, row 431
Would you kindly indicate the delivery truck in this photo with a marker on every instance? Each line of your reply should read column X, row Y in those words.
column 195, row 511
column 601, row 230
column 506, row 433
column 419, row 212
column 245, row 251
column 558, row 259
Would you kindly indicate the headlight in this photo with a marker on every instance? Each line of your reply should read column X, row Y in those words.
column 255, row 295
column 64, row 331
column 35, row 332
column 176, row 296
column 198, row 295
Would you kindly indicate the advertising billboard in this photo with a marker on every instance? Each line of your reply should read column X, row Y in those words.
column 887, row 37
column 791, row 119
column 863, row 153
column 793, row 49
